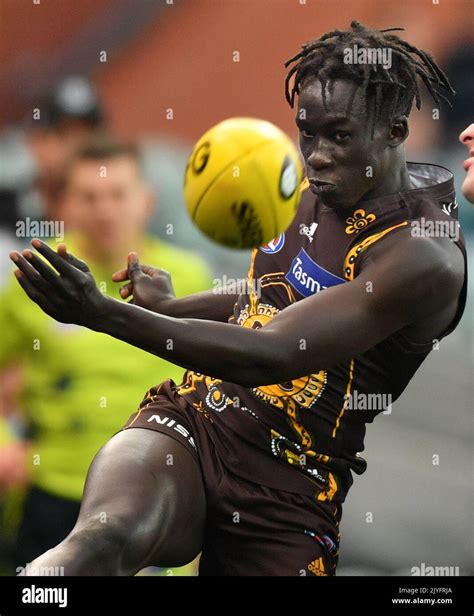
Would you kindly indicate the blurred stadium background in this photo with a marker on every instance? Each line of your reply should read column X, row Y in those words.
column 168, row 73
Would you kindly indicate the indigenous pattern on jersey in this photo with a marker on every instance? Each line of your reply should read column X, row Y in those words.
column 313, row 426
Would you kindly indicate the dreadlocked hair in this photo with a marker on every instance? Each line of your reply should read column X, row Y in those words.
column 388, row 91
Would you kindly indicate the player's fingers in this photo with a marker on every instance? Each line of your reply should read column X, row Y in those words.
column 79, row 263
column 40, row 266
column 120, row 276
column 126, row 290
column 31, row 274
column 134, row 269
column 60, row 264
column 34, row 293
column 149, row 270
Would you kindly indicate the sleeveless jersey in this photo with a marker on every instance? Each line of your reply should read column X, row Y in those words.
column 306, row 429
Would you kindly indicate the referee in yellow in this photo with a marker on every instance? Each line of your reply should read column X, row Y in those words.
column 79, row 387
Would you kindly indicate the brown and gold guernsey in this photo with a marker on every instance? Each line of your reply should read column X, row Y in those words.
column 312, row 429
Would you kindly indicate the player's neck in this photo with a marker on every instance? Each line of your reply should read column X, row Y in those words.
column 398, row 180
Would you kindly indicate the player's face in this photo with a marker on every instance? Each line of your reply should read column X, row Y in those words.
column 110, row 208
column 336, row 143
column 467, row 138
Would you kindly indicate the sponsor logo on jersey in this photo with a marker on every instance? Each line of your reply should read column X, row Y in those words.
column 308, row 231
column 171, row 423
column 307, row 277
column 275, row 245
column 317, row 567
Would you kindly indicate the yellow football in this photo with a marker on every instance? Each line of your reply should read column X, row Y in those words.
column 242, row 182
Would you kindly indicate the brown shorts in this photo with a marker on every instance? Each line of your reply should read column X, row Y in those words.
column 251, row 529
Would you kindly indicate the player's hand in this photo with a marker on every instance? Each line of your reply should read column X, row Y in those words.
column 149, row 287
column 68, row 293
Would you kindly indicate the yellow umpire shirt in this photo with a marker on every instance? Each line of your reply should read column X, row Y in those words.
column 81, row 386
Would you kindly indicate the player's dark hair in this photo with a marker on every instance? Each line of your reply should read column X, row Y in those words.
column 388, row 91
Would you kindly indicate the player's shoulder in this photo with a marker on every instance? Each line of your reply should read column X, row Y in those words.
column 408, row 246
column 432, row 263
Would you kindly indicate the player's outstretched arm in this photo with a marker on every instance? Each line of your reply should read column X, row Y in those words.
column 69, row 294
column 152, row 288
column 411, row 280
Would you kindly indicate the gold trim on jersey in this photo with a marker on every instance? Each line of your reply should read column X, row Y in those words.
column 252, row 264
column 349, row 270
column 351, row 257
column 346, row 397
column 328, row 494
column 139, row 412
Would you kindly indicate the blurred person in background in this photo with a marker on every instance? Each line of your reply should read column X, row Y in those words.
column 80, row 386
column 14, row 473
column 459, row 65
column 33, row 155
